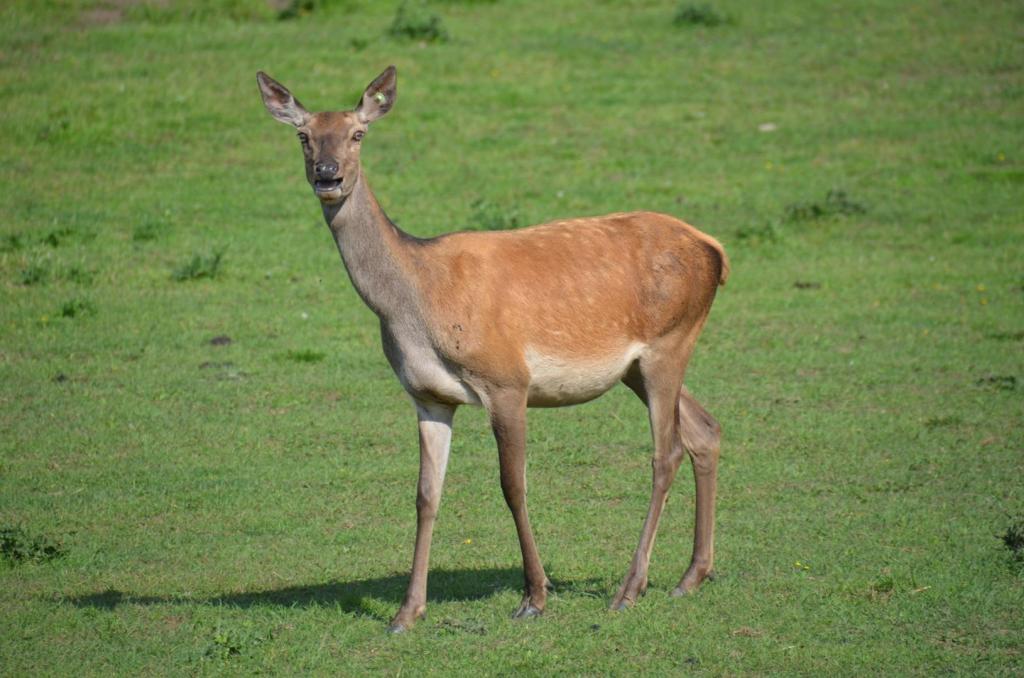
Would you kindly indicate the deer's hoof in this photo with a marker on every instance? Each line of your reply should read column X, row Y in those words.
column 400, row 626
column 527, row 611
column 621, row 602
column 626, row 599
column 691, row 582
column 406, row 618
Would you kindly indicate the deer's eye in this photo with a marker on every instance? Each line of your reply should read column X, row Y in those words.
column 304, row 138
column 358, row 136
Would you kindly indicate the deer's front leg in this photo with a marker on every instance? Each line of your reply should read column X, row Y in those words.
column 508, row 420
column 435, row 424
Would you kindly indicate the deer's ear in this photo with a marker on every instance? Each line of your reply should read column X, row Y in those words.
column 379, row 97
column 280, row 102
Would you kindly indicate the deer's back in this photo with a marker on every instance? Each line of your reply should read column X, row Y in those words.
column 582, row 290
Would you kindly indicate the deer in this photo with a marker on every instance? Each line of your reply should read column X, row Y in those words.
column 546, row 316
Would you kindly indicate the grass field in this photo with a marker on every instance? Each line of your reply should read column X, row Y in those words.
column 171, row 504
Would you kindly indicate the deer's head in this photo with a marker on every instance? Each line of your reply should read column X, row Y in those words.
column 331, row 140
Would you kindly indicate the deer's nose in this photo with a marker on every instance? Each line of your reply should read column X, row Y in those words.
column 326, row 170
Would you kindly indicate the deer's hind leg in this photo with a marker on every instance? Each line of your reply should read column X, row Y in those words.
column 701, row 438
column 657, row 382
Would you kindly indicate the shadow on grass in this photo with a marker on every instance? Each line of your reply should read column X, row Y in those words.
column 355, row 597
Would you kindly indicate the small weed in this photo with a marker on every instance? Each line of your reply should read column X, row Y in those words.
column 11, row 242
column 306, row 356
column 34, row 274
column 200, row 266
column 358, row 44
column 754, row 235
column 1013, row 540
column 883, row 587
column 55, row 237
column 79, row 275
column 690, row 14
column 1007, row 336
column 53, row 129
column 413, row 21
column 224, row 370
column 490, row 217
column 1006, row 382
column 836, row 203
column 147, row 230
column 18, row 546
column 214, row 365
column 295, row 9
column 232, row 640
column 73, row 308
column 942, row 422
column 163, row 13
column 453, row 627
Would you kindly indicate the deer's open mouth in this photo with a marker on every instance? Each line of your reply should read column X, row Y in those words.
column 327, row 186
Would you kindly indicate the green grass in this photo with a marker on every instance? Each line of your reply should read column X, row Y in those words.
column 690, row 14
column 248, row 506
column 199, row 266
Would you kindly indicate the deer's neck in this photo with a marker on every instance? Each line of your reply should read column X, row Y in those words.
column 377, row 255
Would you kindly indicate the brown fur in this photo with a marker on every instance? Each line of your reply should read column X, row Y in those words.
column 550, row 315
column 559, row 287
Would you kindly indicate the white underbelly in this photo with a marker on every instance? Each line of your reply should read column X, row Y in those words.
column 558, row 381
